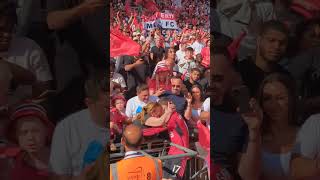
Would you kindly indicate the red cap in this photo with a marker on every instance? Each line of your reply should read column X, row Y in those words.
column 116, row 97
column 27, row 110
column 163, row 69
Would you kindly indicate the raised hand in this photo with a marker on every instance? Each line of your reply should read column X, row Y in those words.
column 159, row 92
column 91, row 6
column 139, row 61
column 253, row 118
column 188, row 98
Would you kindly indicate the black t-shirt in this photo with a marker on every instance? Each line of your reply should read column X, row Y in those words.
column 229, row 138
column 180, row 101
column 135, row 76
column 305, row 68
column 252, row 75
column 157, row 53
column 189, row 85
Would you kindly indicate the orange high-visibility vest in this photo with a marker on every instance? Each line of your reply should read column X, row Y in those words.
column 137, row 168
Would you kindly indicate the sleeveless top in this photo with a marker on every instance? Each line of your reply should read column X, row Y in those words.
column 276, row 164
column 196, row 112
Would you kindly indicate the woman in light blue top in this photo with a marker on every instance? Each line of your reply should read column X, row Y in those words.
column 278, row 101
column 195, row 101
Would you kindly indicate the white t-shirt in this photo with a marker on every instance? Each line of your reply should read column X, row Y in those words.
column 118, row 78
column 185, row 66
column 180, row 55
column 73, row 140
column 206, row 105
column 197, row 47
column 135, row 104
column 28, row 54
column 308, row 139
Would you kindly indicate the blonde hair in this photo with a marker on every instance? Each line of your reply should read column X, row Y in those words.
column 146, row 111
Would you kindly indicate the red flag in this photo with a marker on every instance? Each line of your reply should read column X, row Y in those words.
column 122, row 45
column 235, row 45
column 204, row 136
column 150, row 5
column 307, row 8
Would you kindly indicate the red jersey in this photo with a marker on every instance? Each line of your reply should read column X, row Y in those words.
column 178, row 132
column 22, row 170
column 118, row 119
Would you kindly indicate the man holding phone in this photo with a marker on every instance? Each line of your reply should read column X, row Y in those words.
column 137, row 70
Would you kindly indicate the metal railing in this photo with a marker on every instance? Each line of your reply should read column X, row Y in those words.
column 196, row 166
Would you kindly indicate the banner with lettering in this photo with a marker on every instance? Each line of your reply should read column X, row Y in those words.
column 163, row 20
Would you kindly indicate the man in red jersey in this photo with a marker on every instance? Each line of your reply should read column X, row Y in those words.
column 179, row 134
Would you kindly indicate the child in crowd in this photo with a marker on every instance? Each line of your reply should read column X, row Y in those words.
column 117, row 119
column 31, row 130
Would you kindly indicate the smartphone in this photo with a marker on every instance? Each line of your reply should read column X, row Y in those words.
column 241, row 96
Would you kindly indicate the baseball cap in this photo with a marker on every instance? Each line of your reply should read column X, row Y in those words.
column 163, row 69
column 29, row 110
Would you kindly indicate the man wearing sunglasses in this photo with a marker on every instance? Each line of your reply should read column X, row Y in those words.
column 176, row 95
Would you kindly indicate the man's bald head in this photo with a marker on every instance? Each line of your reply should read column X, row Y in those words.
column 132, row 136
